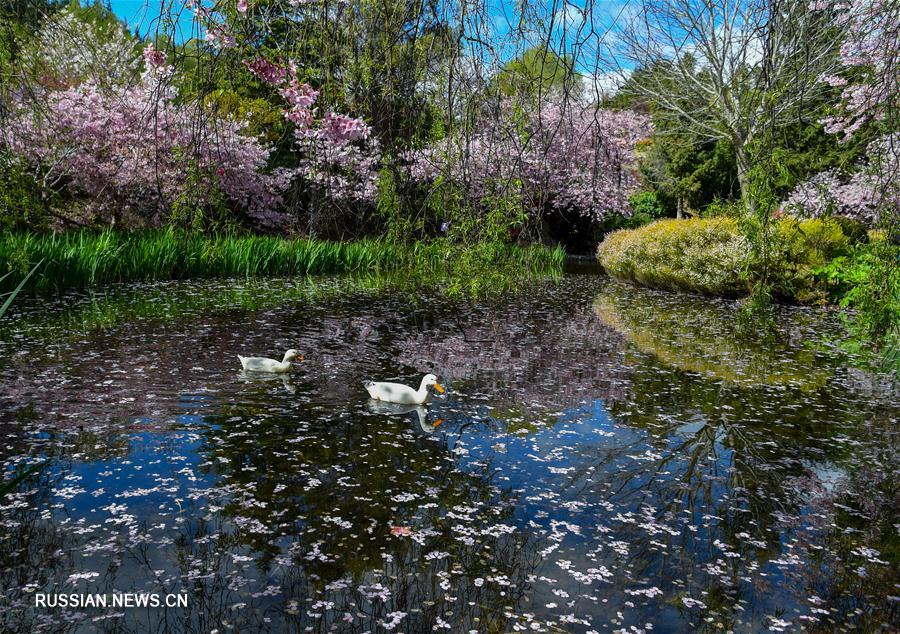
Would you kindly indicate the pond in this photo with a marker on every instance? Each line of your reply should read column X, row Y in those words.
column 605, row 459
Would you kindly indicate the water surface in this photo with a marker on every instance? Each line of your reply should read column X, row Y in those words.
column 606, row 459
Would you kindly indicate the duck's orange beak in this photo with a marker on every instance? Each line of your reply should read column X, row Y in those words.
column 438, row 387
column 437, row 423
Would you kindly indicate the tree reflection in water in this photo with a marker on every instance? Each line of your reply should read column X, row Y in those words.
column 608, row 458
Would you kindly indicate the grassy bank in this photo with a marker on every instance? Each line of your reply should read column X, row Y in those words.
column 91, row 259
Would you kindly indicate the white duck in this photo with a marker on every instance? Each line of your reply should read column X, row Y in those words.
column 403, row 394
column 262, row 364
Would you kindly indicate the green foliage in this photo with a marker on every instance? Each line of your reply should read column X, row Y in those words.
column 647, row 204
column 19, row 19
column 498, row 217
column 805, row 149
column 11, row 295
column 867, row 279
column 187, row 212
column 492, row 269
column 722, row 208
column 680, row 167
column 760, row 199
column 709, row 256
column 90, row 259
column 855, row 230
column 263, row 117
column 22, row 205
column 503, row 217
column 796, row 250
column 399, row 226
column 539, row 70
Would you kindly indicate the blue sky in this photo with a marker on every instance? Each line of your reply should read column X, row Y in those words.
column 143, row 15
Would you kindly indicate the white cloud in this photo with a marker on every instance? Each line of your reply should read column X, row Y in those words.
column 604, row 84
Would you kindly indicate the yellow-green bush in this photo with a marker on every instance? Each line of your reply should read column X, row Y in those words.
column 702, row 255
column 798, row 248
column 708, row 255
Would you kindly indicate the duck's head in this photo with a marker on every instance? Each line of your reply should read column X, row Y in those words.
column 292, row 354
column 430, row 380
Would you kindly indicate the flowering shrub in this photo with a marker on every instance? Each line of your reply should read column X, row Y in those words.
column 871, row 81
column 700, row 255
column 71, row 47
column 135, row 150
column 869, row 84
column 708, row 255
column 827, row 194
column 566, row 157
column 862, row 196
column 97, row 129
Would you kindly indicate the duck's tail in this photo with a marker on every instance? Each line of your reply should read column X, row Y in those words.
column 243, row 361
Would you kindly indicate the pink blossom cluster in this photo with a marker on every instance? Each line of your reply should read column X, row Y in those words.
column 342, row 173
column 266, row 71
column 301, row 98
column 153, row 57
column 829, row 193
column 569, row 157
column 220, row 37
column 340, row 129
column 868, row 54
column 136, row 150
column 864, row 195
column 329, row 160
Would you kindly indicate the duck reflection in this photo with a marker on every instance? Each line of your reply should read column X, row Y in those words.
column 396, row 409
column 259, row 377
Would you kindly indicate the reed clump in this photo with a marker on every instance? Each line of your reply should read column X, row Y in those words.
column 86, row 259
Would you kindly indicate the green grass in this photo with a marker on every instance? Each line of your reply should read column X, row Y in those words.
column 92, row 259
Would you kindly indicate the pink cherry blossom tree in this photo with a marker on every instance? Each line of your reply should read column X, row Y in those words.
column 565, row 156
column 869, row 74
column 132, row 151
column 869, row 78
column 337, row 156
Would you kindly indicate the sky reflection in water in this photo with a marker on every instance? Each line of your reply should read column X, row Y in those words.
column 606, row 458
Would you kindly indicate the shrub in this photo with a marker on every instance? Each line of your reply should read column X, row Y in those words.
column 21, row 204
column 865, row 279
column 702, row 255
column 801, row 247
column 721, row 207
column 647, row 203
column 709, row 255
column 855, row 230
